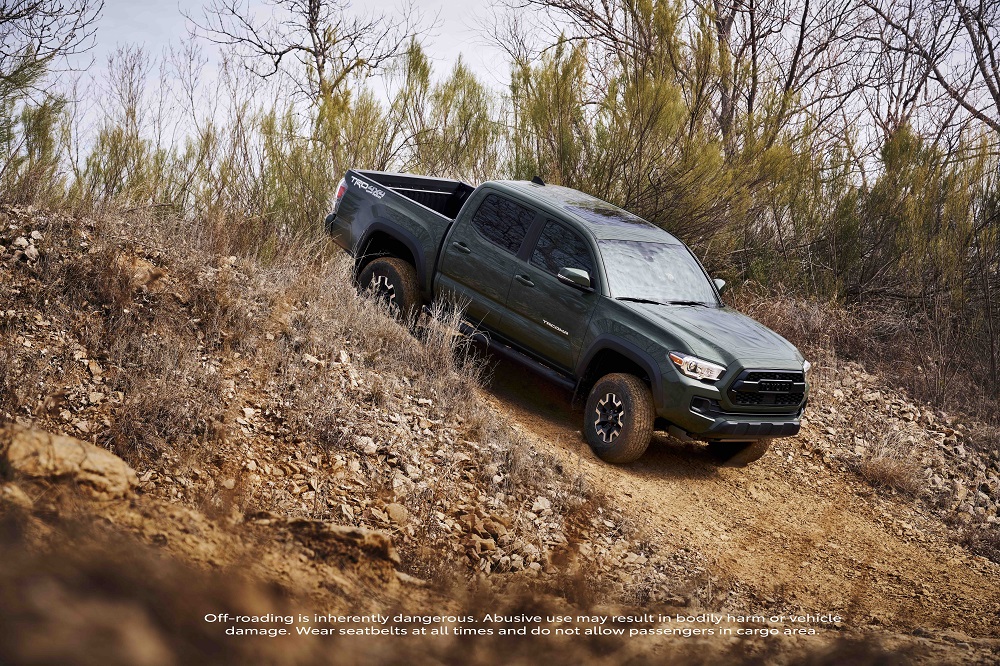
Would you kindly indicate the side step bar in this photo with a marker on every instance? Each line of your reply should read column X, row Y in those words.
column 508, row 352
column 511, row 354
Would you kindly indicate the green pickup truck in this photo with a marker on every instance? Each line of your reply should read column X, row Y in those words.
column 588, row 295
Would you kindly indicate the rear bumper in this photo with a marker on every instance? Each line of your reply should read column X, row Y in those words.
column 339, row 230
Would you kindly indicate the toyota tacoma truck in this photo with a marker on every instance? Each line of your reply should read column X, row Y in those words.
column 586, row 294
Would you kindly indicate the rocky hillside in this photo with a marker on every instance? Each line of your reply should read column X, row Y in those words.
column 238, row 387
column 270, row 424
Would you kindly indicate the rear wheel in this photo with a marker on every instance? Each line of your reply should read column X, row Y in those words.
column 739, row 454
column 394, row 282
column 618, row 419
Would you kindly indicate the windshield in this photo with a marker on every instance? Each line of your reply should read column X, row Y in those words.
column 658, row 272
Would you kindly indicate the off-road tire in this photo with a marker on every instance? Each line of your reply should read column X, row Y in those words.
column 618, row 419
column 738, row 454
column 393, row 281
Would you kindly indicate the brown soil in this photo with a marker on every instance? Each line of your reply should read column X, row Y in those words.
column 784, row 533
column 214, row 378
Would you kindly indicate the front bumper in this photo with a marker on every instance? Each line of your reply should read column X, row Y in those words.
column 707, row 420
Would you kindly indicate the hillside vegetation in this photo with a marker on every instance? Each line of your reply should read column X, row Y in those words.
column 266, row 408
column 272, row 442
column 843, row 153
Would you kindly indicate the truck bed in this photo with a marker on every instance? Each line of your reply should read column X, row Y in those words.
column 444, row 197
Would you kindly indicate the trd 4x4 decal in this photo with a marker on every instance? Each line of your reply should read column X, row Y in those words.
column 370, row 189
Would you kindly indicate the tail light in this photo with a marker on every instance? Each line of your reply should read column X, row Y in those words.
column 341, row 189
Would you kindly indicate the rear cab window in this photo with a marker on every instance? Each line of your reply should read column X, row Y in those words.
column 503, row 222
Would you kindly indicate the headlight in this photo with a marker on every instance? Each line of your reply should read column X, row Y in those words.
column 699, row 368
column 805, row 367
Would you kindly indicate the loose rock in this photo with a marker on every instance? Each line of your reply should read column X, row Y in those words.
column 41, row 455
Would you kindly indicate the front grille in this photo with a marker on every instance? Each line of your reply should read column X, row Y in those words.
column 743, row 398
column 789, row 399
column 767, row 388
column 777, row 376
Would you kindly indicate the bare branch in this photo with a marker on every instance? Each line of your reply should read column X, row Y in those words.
column 327, row 42
column 956, row 45
column 34, row 32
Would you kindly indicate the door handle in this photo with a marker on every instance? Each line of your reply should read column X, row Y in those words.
column 461, row 247
column 523, row 279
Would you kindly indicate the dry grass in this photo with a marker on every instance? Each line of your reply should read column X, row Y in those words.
column 982, row 539
column 889, row 464
column 151, row 345
column 911, row 351
column 285, row 332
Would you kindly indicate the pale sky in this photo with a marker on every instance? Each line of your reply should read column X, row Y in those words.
column 156, row 23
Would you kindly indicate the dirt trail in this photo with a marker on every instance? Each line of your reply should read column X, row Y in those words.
column 787, row 530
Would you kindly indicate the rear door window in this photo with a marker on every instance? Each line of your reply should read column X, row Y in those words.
column 503, row 222
column 559, row 247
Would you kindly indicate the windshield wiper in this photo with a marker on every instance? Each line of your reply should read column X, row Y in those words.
column 646, row 300
column 638, row 300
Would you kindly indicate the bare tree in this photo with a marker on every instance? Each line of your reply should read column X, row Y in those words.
column 896, row 77
column 958, row 43
column 33, row 32
column 321, row 36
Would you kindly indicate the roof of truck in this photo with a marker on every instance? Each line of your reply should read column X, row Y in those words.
column 602, row 219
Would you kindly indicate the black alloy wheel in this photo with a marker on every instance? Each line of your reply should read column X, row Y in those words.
column 618, row 418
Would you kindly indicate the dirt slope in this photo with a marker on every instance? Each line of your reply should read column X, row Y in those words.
column 267, row 416
column 788, row 533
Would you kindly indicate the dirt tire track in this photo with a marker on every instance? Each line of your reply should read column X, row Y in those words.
column 822, row 543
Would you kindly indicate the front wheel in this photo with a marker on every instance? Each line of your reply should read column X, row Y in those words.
column 618, row 420
column 739, row 454
column 394, row 282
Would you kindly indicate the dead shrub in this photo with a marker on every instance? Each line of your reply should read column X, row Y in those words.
column 930, row 359
column 378, row 392
column 984, row 438
column 100, row 278
column 144, row 424
column 169, row 397
column 222, row 317
column 982, row 539
column 429, row 553
column 888, row 464
column 11, row 376
column 317, row 414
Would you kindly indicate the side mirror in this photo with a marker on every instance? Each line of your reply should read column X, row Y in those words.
column 575, row 277
column 720, row 284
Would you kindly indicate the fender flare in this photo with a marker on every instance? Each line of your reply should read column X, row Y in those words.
column 637, row 355
column 395, row 232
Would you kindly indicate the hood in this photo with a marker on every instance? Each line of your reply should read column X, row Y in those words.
column 721, row 334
